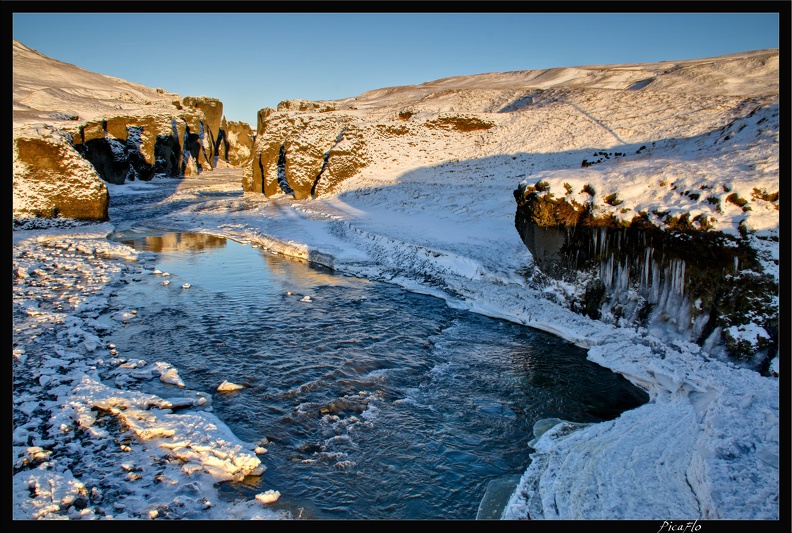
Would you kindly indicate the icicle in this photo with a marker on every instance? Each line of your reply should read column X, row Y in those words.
column 664, row 287
column 617, row 269
column 681, row 287
column 615, row 275
column 736, row 264
column 624, row 276
column 603, row 240
column 646, row 267
column 606, row 271
column 655, row 282
column 682, row 279
column 678, row 275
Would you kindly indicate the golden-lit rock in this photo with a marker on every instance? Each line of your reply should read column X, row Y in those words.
column 51, row 180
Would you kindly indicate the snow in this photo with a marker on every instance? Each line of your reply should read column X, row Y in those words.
column 227, row 386
column 437, row 219
column 268, row 496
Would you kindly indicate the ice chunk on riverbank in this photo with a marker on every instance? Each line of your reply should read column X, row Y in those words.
column 168, row 374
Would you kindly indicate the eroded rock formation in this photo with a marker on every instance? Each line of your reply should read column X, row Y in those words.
column 671, row 272
column 126, row 148
column 123, row 131
column 307, row 149
column 234, row 143
column 291, row 151
column 51, row 180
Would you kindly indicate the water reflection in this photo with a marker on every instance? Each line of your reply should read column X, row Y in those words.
column 174, row 242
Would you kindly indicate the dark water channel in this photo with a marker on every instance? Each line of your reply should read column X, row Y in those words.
column 377, row 403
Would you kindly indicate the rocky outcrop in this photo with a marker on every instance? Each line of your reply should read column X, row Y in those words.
column 307, row 106
column 52, row 180
column 124, row 131
column 293, row 151
column 661, row 273
column 125, row 148
column 234, row 143
column 207, row 129
column 307, row 149
column 119, row 148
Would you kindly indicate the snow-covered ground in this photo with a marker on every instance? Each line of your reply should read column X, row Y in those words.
column 434, row 219
column 707, row 444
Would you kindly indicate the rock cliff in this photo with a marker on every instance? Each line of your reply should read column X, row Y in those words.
column 52, row 180
column 74, row 130
column 307, row 149
column 654, row 237
column 234, row 143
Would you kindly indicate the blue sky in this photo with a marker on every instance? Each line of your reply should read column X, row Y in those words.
column 255, row 60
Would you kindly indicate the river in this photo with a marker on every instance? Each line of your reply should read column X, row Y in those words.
column 374, row 402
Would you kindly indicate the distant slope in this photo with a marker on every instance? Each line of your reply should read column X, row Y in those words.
column 716, row 76
column 48, row 90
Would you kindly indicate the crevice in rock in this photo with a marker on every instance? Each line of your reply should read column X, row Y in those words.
column 221, row 146
column 192, row 149
column 204, row 131
column 167, row 156
column 138, row 167
column 338, row 139
column 282, row 182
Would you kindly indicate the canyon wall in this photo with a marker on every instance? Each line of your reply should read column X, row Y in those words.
column 122, row 148
column 76, row 130
column 647, row 194
column 234, row 143
column 52, row 180
column 307, row 149
column 698, row 263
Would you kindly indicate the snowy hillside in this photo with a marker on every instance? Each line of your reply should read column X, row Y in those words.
column 47, row 91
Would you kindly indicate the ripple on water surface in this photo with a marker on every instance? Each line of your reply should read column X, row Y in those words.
column 377, row 403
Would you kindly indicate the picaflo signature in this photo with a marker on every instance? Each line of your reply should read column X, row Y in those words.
column 679, row 527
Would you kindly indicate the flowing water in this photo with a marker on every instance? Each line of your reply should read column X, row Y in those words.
column 377, row 403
